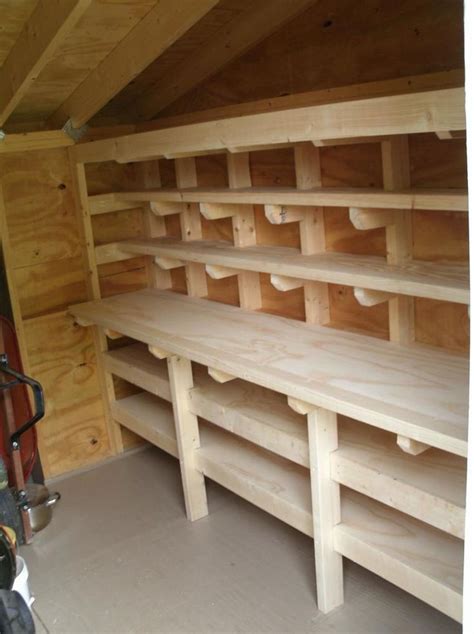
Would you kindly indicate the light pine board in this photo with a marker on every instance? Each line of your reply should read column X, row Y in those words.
column 414, row 392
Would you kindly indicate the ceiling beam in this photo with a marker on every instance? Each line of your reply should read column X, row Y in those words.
column 243, row 33
column 49, row 24
column 163, row 25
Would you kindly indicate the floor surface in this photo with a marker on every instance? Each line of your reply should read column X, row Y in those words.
column 120, row 556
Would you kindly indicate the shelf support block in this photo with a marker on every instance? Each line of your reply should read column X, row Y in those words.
column 364, row 219
column 113, row 334
column 159, row 353
column 283, row 214
column 413, row 447
column 217, row 272
column 215, row 211
column 368, row 297
column 283, row 283
column 167, row 208
column 168, row 263
column 220, row 376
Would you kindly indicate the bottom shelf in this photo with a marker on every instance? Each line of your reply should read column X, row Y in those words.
column 274, row 484
column 418, row 558
column 149, row 417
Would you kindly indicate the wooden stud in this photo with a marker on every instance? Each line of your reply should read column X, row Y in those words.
column 312, row 232
column 187, row 434
column 220, row 376
column 148, row 175
column 365, row 219
column 396, row 175
column 368, row 297
column 93, row 290
column 243, row 230
column 191, row 228
column 283, row 283
column 413, row 447
column 326, row 508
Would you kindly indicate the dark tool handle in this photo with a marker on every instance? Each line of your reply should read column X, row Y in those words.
column 37, row 393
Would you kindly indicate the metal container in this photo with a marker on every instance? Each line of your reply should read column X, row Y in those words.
column 40, row 505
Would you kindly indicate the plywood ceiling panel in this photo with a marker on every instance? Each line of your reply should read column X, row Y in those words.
column 102, row 27
column 14, row 14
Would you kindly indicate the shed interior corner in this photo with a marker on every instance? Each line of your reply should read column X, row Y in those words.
column 237, row 231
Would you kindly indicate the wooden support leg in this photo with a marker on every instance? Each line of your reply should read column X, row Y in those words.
column 106, row 380
column 187, row 433
column 322, row 437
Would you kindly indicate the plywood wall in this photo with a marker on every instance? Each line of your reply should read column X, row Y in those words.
column 337, row 44
column 46, row 275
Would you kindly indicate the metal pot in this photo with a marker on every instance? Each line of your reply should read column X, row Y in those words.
column 40, row 505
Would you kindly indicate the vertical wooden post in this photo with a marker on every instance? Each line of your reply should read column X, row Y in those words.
column 243, row 228
column 325, row 494
column 396, row 175
column 93, row 291
column 312, row 236
column 187, row 433
column 326, row 502
column 191, row 228
column 155, row 226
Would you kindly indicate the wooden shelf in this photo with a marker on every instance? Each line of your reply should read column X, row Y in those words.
column 430, row 111
column 421, row 394
column 430, row 487
column 420, row 559
column 273, row 484
column 107, row 203
column 135, row 364
column 254, row 413
column 149, row 417
column 449, row 282
column 430, row 199
column 407, row 552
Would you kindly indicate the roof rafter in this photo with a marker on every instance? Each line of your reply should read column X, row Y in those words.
column 162, row 26
column 48, row 26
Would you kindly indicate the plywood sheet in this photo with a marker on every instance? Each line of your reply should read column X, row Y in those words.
column 62, row 358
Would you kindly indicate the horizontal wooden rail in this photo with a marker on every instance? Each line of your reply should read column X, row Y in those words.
column 431, row 111
column 448, row 282
column 429, row 199
column 421, row 394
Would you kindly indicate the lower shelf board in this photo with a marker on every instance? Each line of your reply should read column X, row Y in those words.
column 410, row 554
column 135, row 364
column 274, row 484
column 430, row 487
column 149, row 417
column 420, row 559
